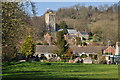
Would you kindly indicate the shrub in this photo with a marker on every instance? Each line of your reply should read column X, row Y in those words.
column 39, row 43
column 84, row 56
column 101, row 59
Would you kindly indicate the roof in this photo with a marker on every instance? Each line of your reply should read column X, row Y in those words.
column 72, row 31
column 110, row 49
column 83, row 33
column 60, row 30
column 45, row 48
column 88, row 49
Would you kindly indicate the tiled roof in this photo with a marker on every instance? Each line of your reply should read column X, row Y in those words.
column 86, row 49
column 45, row 48
column 83, row 33
column 72, row 31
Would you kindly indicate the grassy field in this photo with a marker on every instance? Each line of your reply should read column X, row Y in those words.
column 58, row 71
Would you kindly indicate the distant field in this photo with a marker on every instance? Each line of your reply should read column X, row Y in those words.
column 58, row 71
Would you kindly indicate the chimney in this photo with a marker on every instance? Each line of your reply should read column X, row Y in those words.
column 117, row 49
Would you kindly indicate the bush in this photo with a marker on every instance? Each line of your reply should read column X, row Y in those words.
column 103, row 62
column 101, row 59
column 39, row 43
column 84, row 56
column 45, row 43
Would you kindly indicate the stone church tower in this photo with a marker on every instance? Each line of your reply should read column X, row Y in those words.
column 50, row 20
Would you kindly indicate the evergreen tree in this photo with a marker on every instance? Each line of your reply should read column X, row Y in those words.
column 28, row 47
column 62, row 44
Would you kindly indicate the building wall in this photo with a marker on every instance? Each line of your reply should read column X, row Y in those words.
column 50, row 21
column 48, row 38
column 109, row 50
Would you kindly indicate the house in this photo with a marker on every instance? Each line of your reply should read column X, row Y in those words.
column 72, row 33
column 87, row 60
column 45, row 50
column 109, row 50
column 88, row 50
column 116, row 57
column 75, row 33
column 95, row 44
column 48, row 38
column 83, row 35
column 108, row 53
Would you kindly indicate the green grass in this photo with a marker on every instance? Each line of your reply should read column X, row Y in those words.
column 55, row 71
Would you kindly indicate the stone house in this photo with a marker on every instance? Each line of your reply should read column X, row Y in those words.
column 46, row 50
column 88, row 50
column 74, row 33
column 83, row 35
column 78, row 51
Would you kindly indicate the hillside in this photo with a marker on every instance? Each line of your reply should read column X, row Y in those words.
column 102, row 21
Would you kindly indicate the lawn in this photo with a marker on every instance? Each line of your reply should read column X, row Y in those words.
column 58, row 71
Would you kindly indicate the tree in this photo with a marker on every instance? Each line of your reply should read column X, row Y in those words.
column 28, row 47
column 57, row 27
column 11, row 23
column 69, row 54
column 79, row 42
column 63, row 26
column 62, row 44
column 14, row 27
column 98, row 20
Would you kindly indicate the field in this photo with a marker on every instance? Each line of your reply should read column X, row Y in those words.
column 58, row 71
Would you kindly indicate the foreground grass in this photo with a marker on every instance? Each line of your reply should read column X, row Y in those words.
column 55, row 71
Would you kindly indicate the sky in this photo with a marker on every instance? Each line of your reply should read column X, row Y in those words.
column 41, row 7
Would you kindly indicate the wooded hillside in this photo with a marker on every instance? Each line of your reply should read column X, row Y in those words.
column 102, row 21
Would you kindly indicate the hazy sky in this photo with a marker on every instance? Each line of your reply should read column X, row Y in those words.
column 42, row 6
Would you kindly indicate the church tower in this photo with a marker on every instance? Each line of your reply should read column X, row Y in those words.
column 50, row 20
